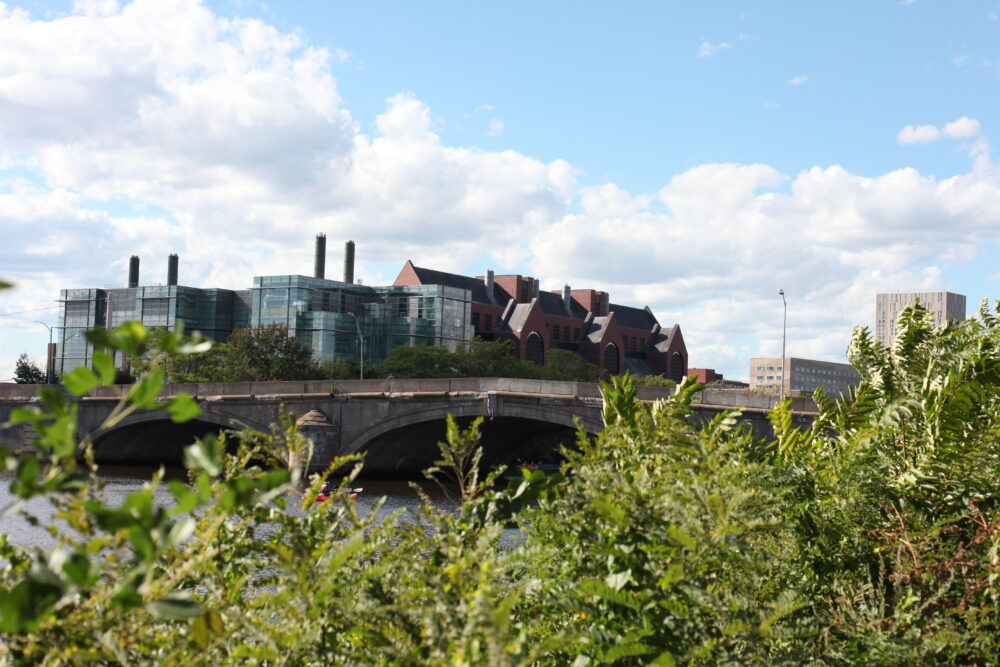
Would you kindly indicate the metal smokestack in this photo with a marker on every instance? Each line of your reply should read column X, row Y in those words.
column 172, row 269
column 568, row 299
column 133, row 271
column 319, row 266
column 349, row 262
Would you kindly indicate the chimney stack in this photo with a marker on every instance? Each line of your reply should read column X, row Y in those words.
column 349, row 262
column 489, row 285
column 535, row 288
column 133, row 271
column 172, row 269
column 319, row 265
column 568, row 299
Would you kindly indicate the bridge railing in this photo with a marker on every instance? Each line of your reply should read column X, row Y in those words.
column 583, row 390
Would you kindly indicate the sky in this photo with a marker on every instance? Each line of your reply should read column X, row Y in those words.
column 692, row 157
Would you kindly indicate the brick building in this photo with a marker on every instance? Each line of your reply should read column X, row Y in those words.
column 611, row 336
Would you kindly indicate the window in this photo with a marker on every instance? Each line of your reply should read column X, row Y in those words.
column 475, row 320
column 555, row 333
column 534, row 349
column 611, row 364
column 576, row 333
column 488, row 322
column 677, row 367
column 566, row 333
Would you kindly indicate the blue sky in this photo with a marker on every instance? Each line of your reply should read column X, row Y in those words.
column 695, row 157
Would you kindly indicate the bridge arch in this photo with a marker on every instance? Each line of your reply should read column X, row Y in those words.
column 153, row 438
column 407, row 444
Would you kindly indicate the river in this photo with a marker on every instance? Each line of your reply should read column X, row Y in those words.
column 122, row 481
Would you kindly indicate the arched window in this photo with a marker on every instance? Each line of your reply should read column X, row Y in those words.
column 611, row 364
column 677, row 367
column 534, row 349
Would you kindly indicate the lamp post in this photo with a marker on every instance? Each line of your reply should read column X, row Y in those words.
column 361, row 344
column 784, row 323
column 48, row 354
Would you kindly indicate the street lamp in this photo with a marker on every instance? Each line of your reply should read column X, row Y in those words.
column 48, row 354
column 361, row 344
column 784, row 323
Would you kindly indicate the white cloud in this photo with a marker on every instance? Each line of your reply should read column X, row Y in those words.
column 495, row 129
column 923, row 134
column 706, row 49
column 963, row 128
column 798, row 80
column 226, row 141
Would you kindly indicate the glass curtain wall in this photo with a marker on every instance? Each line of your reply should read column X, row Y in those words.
column 327, row 315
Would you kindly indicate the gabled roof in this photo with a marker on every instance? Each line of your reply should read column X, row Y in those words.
column 663, row 339
column 475, row 286
column 633, row 318
column 516, row 315
column 595, row 328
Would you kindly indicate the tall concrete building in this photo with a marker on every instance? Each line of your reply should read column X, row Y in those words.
column 803, row 375
column 943, row 306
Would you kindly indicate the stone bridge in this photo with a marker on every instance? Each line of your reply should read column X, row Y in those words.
column 396, row 423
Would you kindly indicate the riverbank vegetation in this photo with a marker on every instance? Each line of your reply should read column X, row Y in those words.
column 872, row 537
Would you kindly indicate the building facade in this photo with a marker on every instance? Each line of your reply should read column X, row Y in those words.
column 613, row 337
column 214, row 312
column 343, row 319
column 943, row 306
column 804, row 375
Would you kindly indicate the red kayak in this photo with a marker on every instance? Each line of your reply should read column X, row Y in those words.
column 326, row 493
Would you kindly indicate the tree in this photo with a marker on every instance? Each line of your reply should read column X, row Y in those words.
column 27, row 372
column 421, row 361
column 206, row 366
column 481, row 358
column 570, row 366
column 268, row 352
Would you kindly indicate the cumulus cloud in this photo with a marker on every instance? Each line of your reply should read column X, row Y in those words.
column 706, row 49
column 924, row 134
column 963, row 128
column 158, row 127
column 798, row 80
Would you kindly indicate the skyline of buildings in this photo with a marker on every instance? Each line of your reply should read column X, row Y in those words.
column 426, row 306
column 342, row 319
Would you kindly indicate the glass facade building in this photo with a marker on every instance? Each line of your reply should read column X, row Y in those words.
column 326, row 315
column 213, row 312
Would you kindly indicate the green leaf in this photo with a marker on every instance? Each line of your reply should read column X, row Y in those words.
column 80, row 380
column 618, row 580
column 77, row 570
column 204, row 627
column 144, row 392
column 183, row 408
column 104, row 364
column 616, row 653
column 175, row 607
column 673, row 574
column 205, row 455
column 186, row 499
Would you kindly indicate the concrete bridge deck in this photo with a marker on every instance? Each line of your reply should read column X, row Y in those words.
column 397, row 423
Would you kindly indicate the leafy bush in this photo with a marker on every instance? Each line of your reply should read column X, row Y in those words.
column 870, row 537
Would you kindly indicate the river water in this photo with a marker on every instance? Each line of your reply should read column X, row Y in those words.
column 121, row 481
